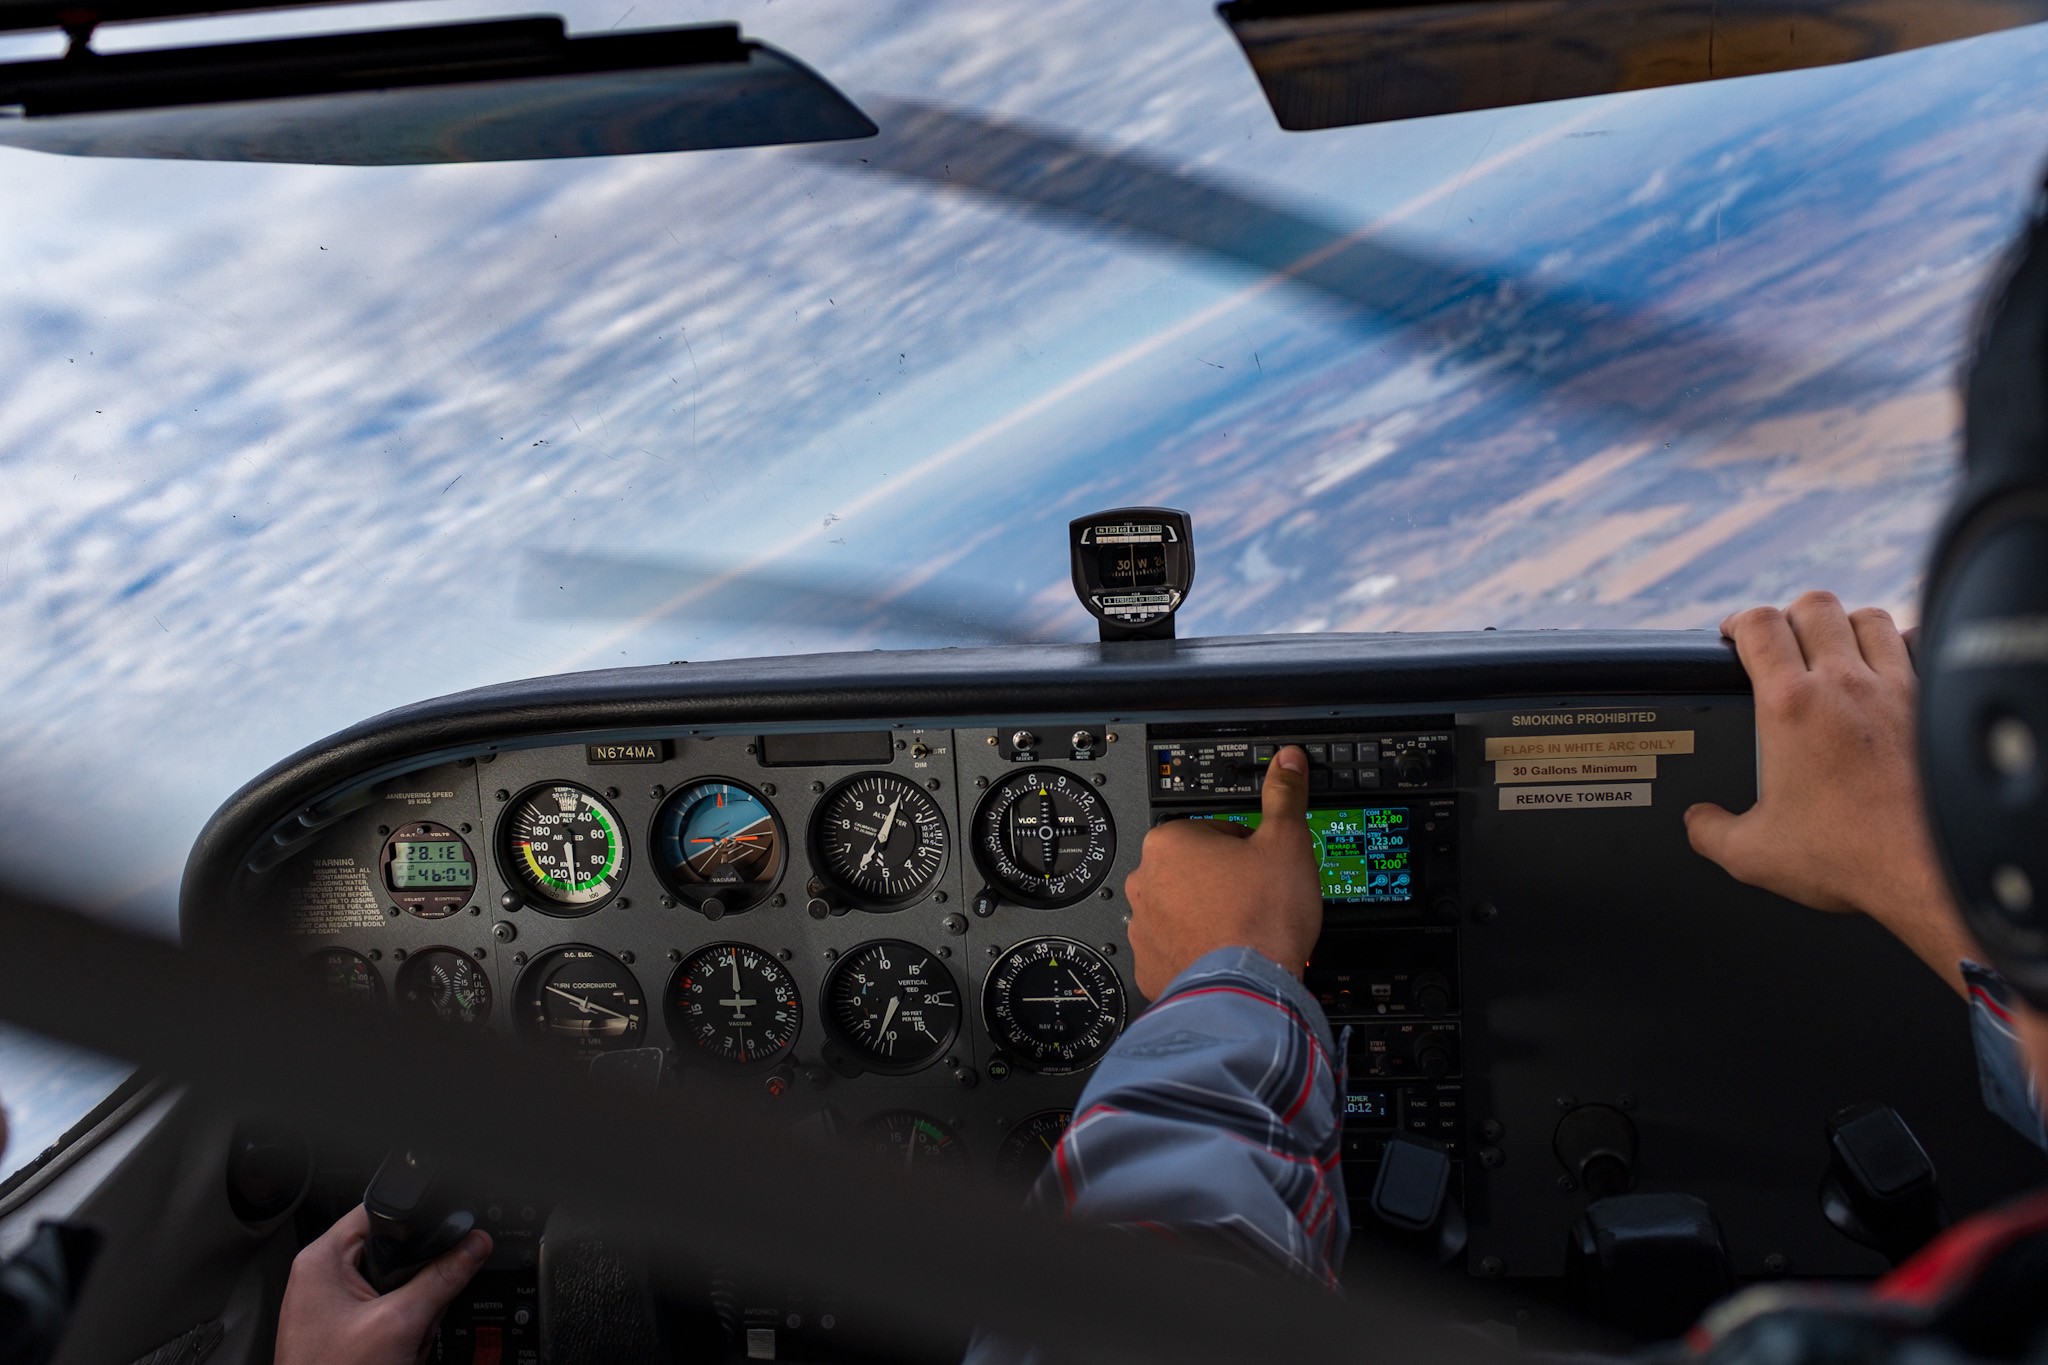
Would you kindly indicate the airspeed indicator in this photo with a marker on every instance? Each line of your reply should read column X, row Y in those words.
column 563, row 845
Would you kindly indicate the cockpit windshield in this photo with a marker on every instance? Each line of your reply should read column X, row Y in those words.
column 287, row 446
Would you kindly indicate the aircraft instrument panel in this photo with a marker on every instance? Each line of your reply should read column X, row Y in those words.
column 907, row 929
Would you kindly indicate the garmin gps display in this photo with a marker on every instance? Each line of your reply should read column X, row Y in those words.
column 1364, row 854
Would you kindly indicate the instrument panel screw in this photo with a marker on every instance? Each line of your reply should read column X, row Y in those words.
column 753, row 748
column 767, row 789
column 1492, row 1267
column 668, row 902
column 464, row 826
column 675, row 955
column 1102, row 779
column 778, row 900
column 625, row 904
column 519, row 959
column 939, row 897
column 980, row 782
column 1566, row 1183
column 479, row 953
column 1486, row 912
column 954, row 924
column 1776, row 1263
column 901, row 744
column 383, row 829
column 995, row 950
column 376, row 955
column 784, row 953
column 992, row 741
column 1110, row 737
column 626, row 957
column 503, row 932
column 1107, row 894
column 394, row 912
column 817, row 787
column 1625, row 1102
column 831, row 954
column 502, row 794
column 1109, row 950
column 1567, row 1103
column 398, row 954
column 657, row 791
column 611, row 793
column 943, row 951
column 1493, row 1130
column 931, row 784
column 1490, row 1157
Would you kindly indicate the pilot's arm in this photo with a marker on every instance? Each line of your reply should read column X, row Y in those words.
column 1838, row 823
column 1214, row 1121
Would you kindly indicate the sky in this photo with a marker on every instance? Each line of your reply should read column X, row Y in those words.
column 290, row 446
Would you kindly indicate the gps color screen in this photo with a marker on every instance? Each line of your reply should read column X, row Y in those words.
column 1365, row 854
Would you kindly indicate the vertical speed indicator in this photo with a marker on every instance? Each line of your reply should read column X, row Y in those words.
column 563, row 845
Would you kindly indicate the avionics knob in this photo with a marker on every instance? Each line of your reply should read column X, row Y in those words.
column 1432, row 994
column 1433, row 1055
column 1411, row 770
column 1597, row 1144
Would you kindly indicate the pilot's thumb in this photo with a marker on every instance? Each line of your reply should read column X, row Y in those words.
column 1712, row 831
column 427, row 1294
column 1284, row 799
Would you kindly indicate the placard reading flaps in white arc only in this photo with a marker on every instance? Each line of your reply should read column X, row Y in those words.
column 1520, row 761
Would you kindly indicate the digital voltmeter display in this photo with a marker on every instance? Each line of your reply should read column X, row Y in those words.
column 1365, row 855
column 416, row 864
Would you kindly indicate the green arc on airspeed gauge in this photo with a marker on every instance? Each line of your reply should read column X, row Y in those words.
column 562, row 843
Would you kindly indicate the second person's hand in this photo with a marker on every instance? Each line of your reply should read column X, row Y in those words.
column 1838, row 823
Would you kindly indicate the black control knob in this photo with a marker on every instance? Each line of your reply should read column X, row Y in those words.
column 1411, row 769
column 1433, row 1056
column 1597, row 1144
column 1432, row 994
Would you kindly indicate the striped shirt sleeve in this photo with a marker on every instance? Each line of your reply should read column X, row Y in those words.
column 2002, row 1071
column 1217, row 1119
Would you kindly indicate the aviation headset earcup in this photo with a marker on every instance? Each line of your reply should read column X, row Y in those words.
column 1983, row 653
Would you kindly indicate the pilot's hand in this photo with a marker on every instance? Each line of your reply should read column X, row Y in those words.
column 1838, row 823
column 1207, row 884
column 331, row 1315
